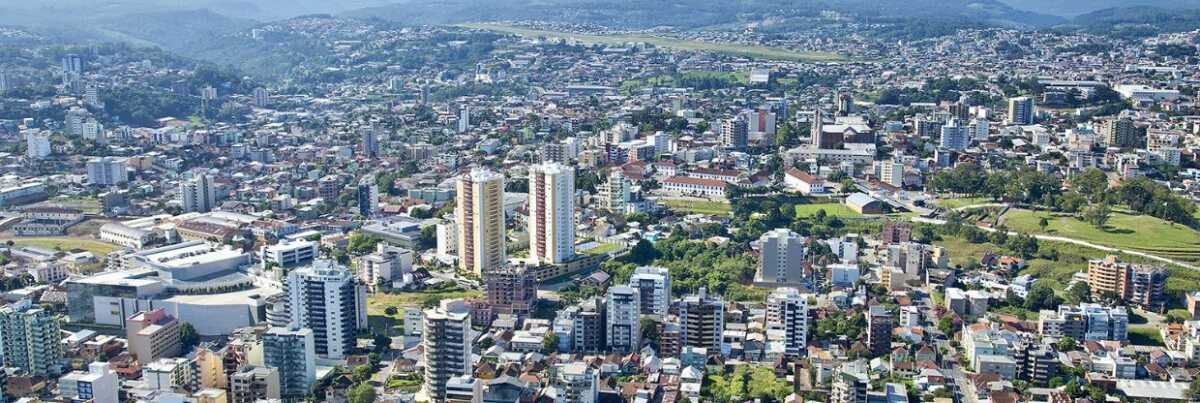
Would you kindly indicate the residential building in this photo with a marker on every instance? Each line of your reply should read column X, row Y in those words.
column 653, row 284
column 879, row 330
column 289, row 253
column 702, row 321
column 787, row 320
column 386, row 265
column 1085, row 322
column 1020, row 111
column 1141, row 285
column 577, row 383
column 292, row 351
column 551, row 213
column 107, row 171
column 447, row 344
column 31, row 339
column 152, row 335
column 97, row 385
column 327, row 298
column 254, row 383
column 198, row 194
column 783, row 257
column 480, row 216
column 510, row 291
column 735, row 133
column 623, row 321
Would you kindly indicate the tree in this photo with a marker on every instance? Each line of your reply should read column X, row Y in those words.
column 1097, row 215
column 391, row 311
column 381, row 342
column 1043, row 223
column 946, row 324
column 1066, row 344
column 1077, row 293
column 1092, row 183
column 1041, row 297
column 550, row 343
column 361, row 393
column 188, row 337
column 362, row 373
column 642, row 253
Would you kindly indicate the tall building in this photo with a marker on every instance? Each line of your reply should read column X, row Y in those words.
column 614, row 193
column 31, row 339
column 464, row 119
column 787, row 319
column 551, row 213
column 782, row 260
column 702, row 321
column 480, row 215
column 253, row 384
column 387, row 264
column 106, row 171
column 370, row 140
column 37, row 145
column 326, row 298
column 1119, row 132
column 1020, row 111
column 896, row 232
column 849, row 387
column 97, row 385
column 198, row 194
column 72, row 63
column 623, row 321
column 891, row 172
column 577, row 382
column 368, row 197
column 1085, row 322
column 262, row 98
column 292, row 352
column 447, row 344
column 587, row 325
column 653, row 284
column 5, row 81
column 152, row 335
column 1142, row 285
column 816, row 128
column 879, row 330
column 735, row 133
column 955, row 136
column 845, row 104
column 511, row 291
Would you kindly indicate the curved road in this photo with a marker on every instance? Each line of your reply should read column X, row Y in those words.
column 1076, row 242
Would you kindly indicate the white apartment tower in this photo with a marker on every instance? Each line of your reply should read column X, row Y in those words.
column 480, row 214
column 447, row 341
column 787, row 317
column 326, row 298
column 624, row 319
column 551, row 213
column 198, row 194
column 653, row 284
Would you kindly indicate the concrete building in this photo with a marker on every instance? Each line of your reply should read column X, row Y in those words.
column 287, row 253
column 480, row 216
column 32, row 339
column 782, row 260
column 623, row 321
column 97, row 385
column 198, row 194
column 510, row 291
column 327, row 298
column 1141, row 285
column 107, row 171
column 879, row 330
column 385, row 266
column 551, row 213
column 447, row 344
column 1119, row 132
column 292, row 351
column 152, row 335
column 735, row 133
column 253, row 384
column 577, row 383
column 787, row 320
column 367, row 196
column 702, row 321
column 587, row 325
column 1085, row 322
column 1020, row 111
column 653, row 284
column 955, row 136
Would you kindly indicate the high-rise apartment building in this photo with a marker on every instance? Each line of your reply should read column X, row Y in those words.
column 480, row 215
column 1020, row 111
column 292, row 352
column 623, row 319
column 1142, row 285
column 787, row 319
column 253, row 384
column 31, row 339
column 955, row 136
column 96, row 385
column 653, row 284
column 327, row 298
column 367, row 194
column 782, row 260
column 1119, row 132
column 198, row 194
column 107, row 171
column 551, row 213
column 577, row 382
column 879, row 330
column 447, row 344
column 511, row 291
column 735, row 133
column 702, row 321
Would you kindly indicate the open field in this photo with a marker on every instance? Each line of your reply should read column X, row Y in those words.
column 1126, row 231
column 603, row 248
column 759, row 52
column 1144, row 335
column 377, row 303
column 696, row 206
column 100, row 249
column 951, row 204
column 831, row 210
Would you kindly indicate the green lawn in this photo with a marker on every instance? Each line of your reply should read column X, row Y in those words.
column 100, row 249
column 951, row 204
column 1126, row 231
column 713, row 207
column 603, row 248
column 378, row 302
column 1145, row 336
column 760, row 52
column 1057, row 273
column 831, row 210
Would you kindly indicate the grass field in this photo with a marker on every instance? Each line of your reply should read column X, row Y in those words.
column 1137, row 232
column 380, row 321
column 66, row 244
column 831, row 210
column 1057, row 273
column 603, row 248
column 962, row 202
column 697, row 206
column 1145, row 336
column 759, row 52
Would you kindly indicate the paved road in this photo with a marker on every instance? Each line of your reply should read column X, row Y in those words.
column 1077, row 242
